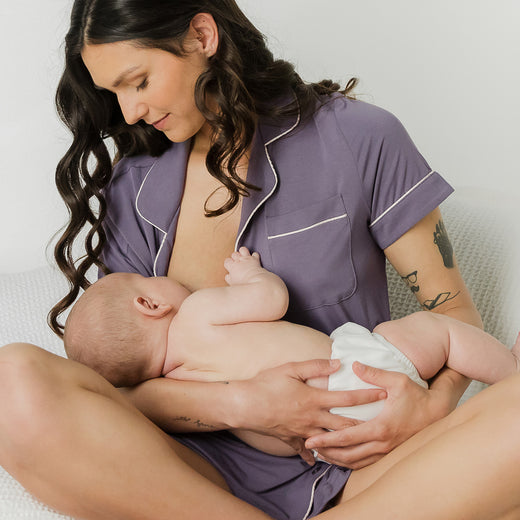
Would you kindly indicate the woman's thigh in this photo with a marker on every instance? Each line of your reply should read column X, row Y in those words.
column 41, row 393
column 490, row 406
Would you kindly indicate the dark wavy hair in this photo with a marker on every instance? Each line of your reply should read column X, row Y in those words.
column 242, row 77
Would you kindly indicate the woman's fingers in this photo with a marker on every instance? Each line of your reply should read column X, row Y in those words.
column 304, row 370
column 349, row 447
column 347, row 437
column 377, row 376
column 350, row 458
column 408, row 408
column 340, row 398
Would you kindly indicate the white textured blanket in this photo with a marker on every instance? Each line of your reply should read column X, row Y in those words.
column 25, row 299
column 483, row 231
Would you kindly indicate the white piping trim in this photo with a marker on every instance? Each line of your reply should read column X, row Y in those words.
column 400, row 199
column 158, row 253
column 165, row 234
column 313, row 491
column 308, row 227
column 137, row 199
column 275, row 179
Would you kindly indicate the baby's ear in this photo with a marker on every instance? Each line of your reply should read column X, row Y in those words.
column 149, row 307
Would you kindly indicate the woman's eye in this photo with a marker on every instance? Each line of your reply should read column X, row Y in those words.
column 143, row 85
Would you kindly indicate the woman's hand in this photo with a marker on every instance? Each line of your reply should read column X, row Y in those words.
column 277, row 402
column 408, row 409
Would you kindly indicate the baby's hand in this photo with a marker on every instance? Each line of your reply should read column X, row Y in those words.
column 243, row 267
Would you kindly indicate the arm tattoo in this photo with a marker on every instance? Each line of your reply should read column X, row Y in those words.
column 440, row 238
column 411, row 281
column 439, row 300
column 196, row 422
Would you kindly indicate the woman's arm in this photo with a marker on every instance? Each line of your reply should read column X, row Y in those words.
column 424, row 259
column 254, row 404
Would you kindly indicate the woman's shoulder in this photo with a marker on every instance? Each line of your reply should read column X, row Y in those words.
column 366, row 129
column 357, row 117
column 124, row 165
column 130, row 172
column 128, row 176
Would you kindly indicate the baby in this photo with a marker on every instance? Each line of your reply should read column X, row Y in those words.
column 130, row 328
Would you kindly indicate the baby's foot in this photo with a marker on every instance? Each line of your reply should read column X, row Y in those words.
column 243, row 267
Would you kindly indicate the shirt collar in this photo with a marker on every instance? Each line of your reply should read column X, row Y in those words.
column 159, row 196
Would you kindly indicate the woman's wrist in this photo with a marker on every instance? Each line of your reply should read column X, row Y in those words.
column 236, row 413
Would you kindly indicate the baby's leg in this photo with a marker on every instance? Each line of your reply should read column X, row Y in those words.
column 432, row 340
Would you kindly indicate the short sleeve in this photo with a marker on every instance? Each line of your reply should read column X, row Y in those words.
column 398, row 185
column 118, row 256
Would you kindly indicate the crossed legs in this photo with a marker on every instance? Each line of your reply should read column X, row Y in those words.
column 466, row 466
column 73, row 441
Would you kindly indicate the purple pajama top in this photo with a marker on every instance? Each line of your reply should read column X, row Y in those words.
column 336, row 189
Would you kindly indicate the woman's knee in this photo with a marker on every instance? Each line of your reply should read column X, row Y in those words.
column 500, row 403
column 27, row 385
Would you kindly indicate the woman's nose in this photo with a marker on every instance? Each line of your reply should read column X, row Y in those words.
column 132, row 109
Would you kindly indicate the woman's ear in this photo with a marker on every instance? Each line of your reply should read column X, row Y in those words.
column 205, row 30
column 149, row 307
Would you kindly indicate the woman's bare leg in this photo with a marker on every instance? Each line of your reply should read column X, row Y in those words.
column 73, row 441
column 466, row 466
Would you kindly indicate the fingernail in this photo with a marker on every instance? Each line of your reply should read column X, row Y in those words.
column 334, row 362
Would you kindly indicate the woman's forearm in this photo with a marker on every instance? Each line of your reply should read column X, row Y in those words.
column 184, row 406
column 466, row 312
column 275, row 402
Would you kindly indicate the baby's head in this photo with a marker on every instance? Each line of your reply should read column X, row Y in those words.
column 119, row 326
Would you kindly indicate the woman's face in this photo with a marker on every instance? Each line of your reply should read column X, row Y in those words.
column 150, row 84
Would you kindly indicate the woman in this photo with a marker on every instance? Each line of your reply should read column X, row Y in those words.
column 219, row 146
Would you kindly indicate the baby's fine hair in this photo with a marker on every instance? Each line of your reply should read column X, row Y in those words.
column 105, row 333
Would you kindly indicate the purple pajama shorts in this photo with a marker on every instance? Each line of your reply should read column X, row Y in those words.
column 286, row 488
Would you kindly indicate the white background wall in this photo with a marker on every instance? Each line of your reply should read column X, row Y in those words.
column 450, row 70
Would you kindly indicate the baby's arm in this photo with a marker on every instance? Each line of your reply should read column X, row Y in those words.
column 253, row 294
column 433, row 340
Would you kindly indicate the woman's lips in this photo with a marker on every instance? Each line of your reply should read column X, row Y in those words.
column 161, row 123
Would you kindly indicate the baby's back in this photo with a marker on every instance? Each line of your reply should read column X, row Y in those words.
column 205, row 352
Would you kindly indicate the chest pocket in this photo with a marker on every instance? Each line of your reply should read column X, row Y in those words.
column 311, row 251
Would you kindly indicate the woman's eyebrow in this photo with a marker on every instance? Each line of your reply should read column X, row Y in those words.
column 122, row 76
